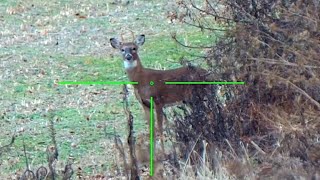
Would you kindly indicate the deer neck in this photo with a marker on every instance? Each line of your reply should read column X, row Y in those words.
column 134, row 70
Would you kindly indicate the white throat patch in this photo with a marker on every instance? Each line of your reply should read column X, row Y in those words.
column 129, row 64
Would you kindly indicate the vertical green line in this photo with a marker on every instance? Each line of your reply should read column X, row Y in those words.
column 151, row 136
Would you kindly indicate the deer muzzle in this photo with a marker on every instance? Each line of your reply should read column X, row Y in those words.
column 128, row 57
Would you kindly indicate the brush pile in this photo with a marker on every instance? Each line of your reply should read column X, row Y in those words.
column 271, row 125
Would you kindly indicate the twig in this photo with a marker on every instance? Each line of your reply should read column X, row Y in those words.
column 120, row 148
column 68, row 171
column 174, row 37
column 273, row 61
column 28, row 174
column 234, row 154
column 297, row 88
column 25, row 155
column 257, row 148
column 189, row 155
column 41, row 173
column 52, row 151
column 214, row 15
column 6, row 147
column 203, row 27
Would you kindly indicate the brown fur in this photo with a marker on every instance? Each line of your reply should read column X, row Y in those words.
column 163, row 94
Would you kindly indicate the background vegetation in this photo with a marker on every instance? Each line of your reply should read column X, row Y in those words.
column 268, row 128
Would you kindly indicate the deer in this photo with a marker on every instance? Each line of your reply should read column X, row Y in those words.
column 151, row 82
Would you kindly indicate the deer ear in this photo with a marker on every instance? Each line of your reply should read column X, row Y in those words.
column 140, row 40
column 115, row 43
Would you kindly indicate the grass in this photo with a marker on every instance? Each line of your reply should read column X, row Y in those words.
column 46, row 41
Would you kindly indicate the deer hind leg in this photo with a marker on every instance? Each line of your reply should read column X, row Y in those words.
column 146, row 113
column 160, row 117
column 146, row 109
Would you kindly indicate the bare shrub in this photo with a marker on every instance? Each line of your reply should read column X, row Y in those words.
column 274, row 46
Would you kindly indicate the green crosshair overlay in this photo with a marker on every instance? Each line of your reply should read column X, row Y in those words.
column 151, row 100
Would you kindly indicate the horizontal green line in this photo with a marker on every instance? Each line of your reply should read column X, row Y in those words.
column 206, row 82
column 95, row 82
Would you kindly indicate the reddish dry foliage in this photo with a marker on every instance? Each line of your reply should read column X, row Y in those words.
column 274, row 46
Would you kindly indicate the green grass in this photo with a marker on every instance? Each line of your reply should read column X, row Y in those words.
column 161, row 49
column 73, row 49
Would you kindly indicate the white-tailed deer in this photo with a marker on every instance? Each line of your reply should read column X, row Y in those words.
column 162, row 94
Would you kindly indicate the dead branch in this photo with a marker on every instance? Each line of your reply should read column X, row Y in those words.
column 131, row 142
column 6, row 148
column 120, row 148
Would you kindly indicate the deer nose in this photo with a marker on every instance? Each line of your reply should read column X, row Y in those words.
column 128, row 57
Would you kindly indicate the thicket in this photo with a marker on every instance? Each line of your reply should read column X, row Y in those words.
column 271, row 125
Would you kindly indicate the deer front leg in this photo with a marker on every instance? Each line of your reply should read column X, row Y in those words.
column 147, row 117
column 160, row 116
column 146, row 106
column 146, row 110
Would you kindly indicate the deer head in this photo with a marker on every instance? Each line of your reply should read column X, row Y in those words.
column 129, row 50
